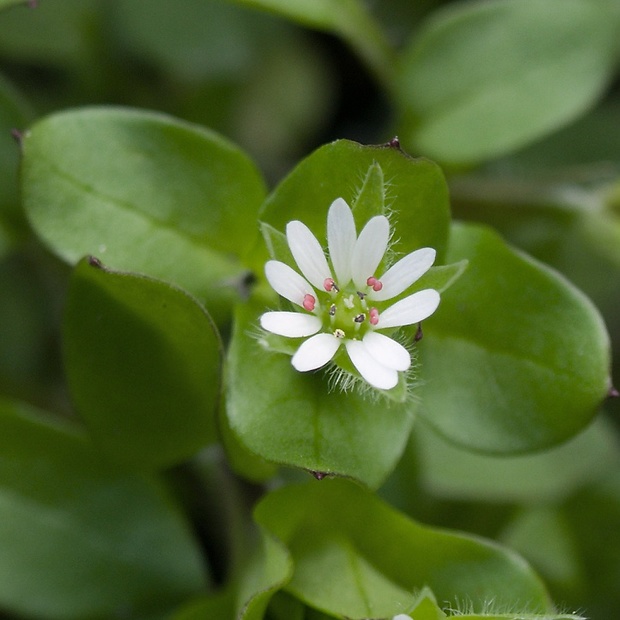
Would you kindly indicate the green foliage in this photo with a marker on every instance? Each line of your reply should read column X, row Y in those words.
column 80, row 538
column 160, row 455
column 335, row 528
column 501, row 379
column 144, row 193
column 143, row 362
column 512, row 71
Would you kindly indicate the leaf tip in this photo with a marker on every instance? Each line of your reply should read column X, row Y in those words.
column 93, row 261
column 18, row 136
column 319, row 475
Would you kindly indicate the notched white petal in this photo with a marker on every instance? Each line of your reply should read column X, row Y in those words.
column 400, row 276
column 373, row 372
column 290, row 324
column 369, row 249
column 387, row 351
column 410, row 310
column 308, row 253
column 315, row 352
column 341, row 237
column 285, row 281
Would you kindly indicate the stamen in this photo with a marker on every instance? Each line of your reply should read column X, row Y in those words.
column 332, row 310
column 377, row 285
column 360, row 318
column 330, row 286
column 374, row 316
column 309, row 302
column 361, row 295
column 339, row 333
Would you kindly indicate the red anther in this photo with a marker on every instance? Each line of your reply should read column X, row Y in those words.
column 377, row 285
column 309, row 302
column 329, row 285
column 374, row 316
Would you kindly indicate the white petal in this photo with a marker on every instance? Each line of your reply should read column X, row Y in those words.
column 369, row 249
column 308, row 253
column 341, row 237
column 372, row 371
column 290, row 324
column 402, row 617
column 315, row 352
column 409, row 310
column 387, row 351
column 287, row 282
column 404, row 273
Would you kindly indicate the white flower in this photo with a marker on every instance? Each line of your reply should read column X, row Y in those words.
column 341, row 302
column 402, row 617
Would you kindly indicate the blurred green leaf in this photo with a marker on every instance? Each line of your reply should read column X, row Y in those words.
column 345, row 18
column 483, row 78
column 294, row 418
column 145, row 193
column 515, row 359
column 80, row 539
column 269, row 569
column 50, row 33
column 449, row 471
column 143, row 364
column 14, row 114
column 569, row 225
column 375, row 558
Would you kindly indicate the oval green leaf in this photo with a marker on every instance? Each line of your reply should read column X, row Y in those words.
column 516, row 358
column 80, row 539
column 356, row 557
column 295, row 418
column 143, row 365
column 481, row 79
column 145, row 193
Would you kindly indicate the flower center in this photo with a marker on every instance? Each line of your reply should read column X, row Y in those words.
column 346, row 313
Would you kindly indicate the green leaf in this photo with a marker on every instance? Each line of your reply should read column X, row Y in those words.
column 414, row 190
column 449, row 471
column 268, row 570
column 515, row 359
column 345, row 18
column 376, row 558
column 143, row 365
column 145, row 193
column 481, row 79
column 295, row 419
column 80, row 539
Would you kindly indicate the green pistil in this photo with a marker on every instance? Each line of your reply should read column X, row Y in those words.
column 345, row 313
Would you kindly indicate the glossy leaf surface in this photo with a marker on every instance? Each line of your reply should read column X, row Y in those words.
column 515, row 359
column 80, row 539
column 145, row 193
column 143, row 364
column 376, row 558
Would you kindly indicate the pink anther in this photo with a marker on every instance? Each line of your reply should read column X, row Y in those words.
column 329, row 285
column 374, row 316
column 377, row 285
column 309, row 302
